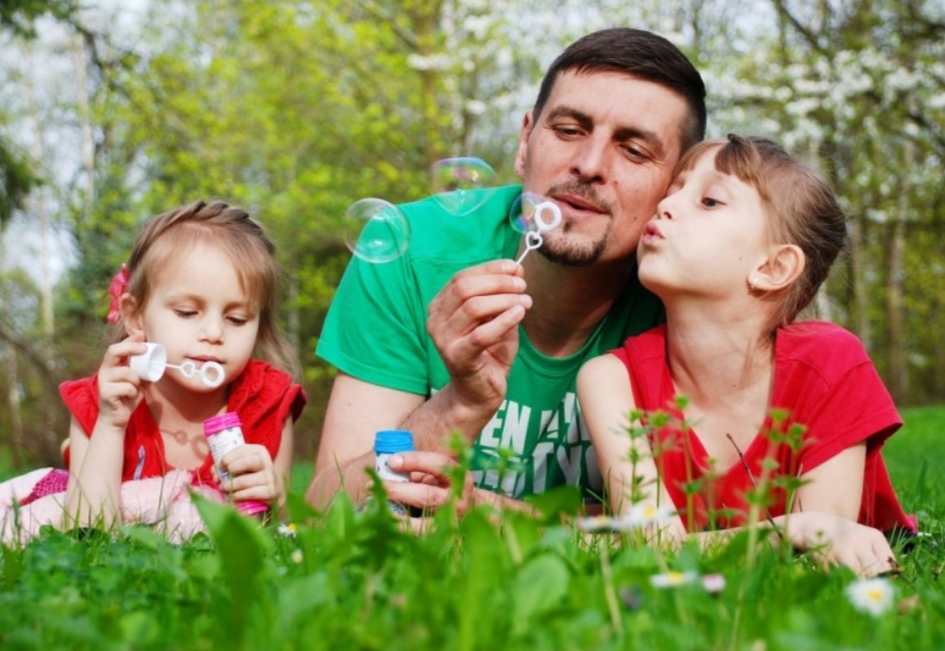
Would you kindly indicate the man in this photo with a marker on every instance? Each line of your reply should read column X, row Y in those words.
column 455, row 337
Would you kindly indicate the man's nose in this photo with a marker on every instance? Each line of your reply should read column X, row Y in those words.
column 592, row 160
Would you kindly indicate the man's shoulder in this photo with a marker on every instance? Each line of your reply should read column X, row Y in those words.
column 440, row 231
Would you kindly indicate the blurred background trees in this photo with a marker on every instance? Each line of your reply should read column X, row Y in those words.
column 120, row 110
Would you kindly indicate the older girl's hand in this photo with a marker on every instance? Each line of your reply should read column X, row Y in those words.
column 835, row 540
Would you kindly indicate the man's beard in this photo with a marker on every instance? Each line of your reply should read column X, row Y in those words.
column 558, row 248
column 572, row 254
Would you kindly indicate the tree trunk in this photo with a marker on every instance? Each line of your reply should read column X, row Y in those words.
column 13, row 402
column 896, row 372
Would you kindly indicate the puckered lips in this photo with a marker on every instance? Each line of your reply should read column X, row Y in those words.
column 652, row 233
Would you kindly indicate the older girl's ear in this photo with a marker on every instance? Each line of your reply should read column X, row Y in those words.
column 784, row 265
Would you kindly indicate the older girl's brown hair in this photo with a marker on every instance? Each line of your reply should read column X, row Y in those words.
column 801, row 204
column 244, row 242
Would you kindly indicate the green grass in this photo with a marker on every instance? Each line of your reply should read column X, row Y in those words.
column 354, row 581
column 915, row 461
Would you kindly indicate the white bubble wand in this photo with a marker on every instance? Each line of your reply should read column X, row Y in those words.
column 151, row 365
column 533, row 238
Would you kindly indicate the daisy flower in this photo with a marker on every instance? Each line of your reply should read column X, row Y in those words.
column 873, row 596
column 641, row 515
column 287, row 529
column 672, row 579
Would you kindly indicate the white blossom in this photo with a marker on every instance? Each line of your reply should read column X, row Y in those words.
column 873, row 596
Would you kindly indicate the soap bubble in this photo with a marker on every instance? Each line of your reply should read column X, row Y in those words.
column 376, row 231
column 455, row 181
column 534, row 213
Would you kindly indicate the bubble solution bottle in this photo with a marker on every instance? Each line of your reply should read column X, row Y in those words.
column 386, row 443
column 224, row 432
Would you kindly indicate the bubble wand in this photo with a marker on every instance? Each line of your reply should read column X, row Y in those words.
column 533, row 238
column 151, row 365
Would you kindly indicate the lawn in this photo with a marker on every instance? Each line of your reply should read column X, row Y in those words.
column 351, row 580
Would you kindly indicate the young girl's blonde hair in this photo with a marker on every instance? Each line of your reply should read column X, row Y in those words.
column 800, row 201
column 244, row 242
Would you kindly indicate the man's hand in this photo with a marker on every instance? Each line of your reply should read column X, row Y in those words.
column 431, row 481
column 473, row 322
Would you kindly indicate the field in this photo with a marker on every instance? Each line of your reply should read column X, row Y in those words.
column 352, row 580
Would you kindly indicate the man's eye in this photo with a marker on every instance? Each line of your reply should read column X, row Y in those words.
column 567, row 131
column 634, row 153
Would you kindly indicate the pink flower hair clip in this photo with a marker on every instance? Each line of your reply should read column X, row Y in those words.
column 118, row 287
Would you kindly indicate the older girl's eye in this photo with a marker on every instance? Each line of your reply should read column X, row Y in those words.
column 709, row 202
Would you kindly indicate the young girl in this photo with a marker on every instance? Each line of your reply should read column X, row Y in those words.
column 737, row 249
column 202, row 282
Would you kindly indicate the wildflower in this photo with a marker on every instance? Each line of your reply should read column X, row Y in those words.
column 713, row 583
column 631, row 597
column 597, row 524
column 873, row 596
column 672, row 579
column 296, row 556
column 641, row 515
column 287, row 529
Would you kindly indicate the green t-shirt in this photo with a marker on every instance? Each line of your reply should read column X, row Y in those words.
column 375, row 331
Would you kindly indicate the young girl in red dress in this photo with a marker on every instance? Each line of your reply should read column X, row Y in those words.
column 740, row 245
column 202, row 282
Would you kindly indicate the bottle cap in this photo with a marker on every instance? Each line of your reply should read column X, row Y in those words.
column 216, row 424
column 151, row 364
column 252, row 507
column 390, row 441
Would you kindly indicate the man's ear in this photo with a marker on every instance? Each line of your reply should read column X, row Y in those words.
column 526, row 131
column 784, row 264
column 130, row 315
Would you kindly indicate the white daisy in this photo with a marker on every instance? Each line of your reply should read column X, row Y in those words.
column 873, row 596
column 672, row 579
column 287, row 529
column 643, row 515
column 601, row 523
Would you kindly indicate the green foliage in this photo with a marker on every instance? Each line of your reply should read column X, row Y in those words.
column 338, row 583
column 357, row 580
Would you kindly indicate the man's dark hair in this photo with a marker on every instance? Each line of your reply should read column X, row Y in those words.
column 641, row 54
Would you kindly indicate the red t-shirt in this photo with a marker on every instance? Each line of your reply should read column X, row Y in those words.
column 823, row 379
column 262, row 395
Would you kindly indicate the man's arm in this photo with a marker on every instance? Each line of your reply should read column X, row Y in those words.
column 473, row 322
column 356, row 411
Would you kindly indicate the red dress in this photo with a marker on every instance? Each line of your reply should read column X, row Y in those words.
column 262, row 395
column 823, row 379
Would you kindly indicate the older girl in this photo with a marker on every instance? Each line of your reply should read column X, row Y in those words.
column 736, row 250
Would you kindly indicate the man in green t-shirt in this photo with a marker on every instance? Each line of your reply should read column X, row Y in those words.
column 454, row 336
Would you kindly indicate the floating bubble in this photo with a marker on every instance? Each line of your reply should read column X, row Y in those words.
column 376, row 231
column 455, row 181
column 534, row 213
